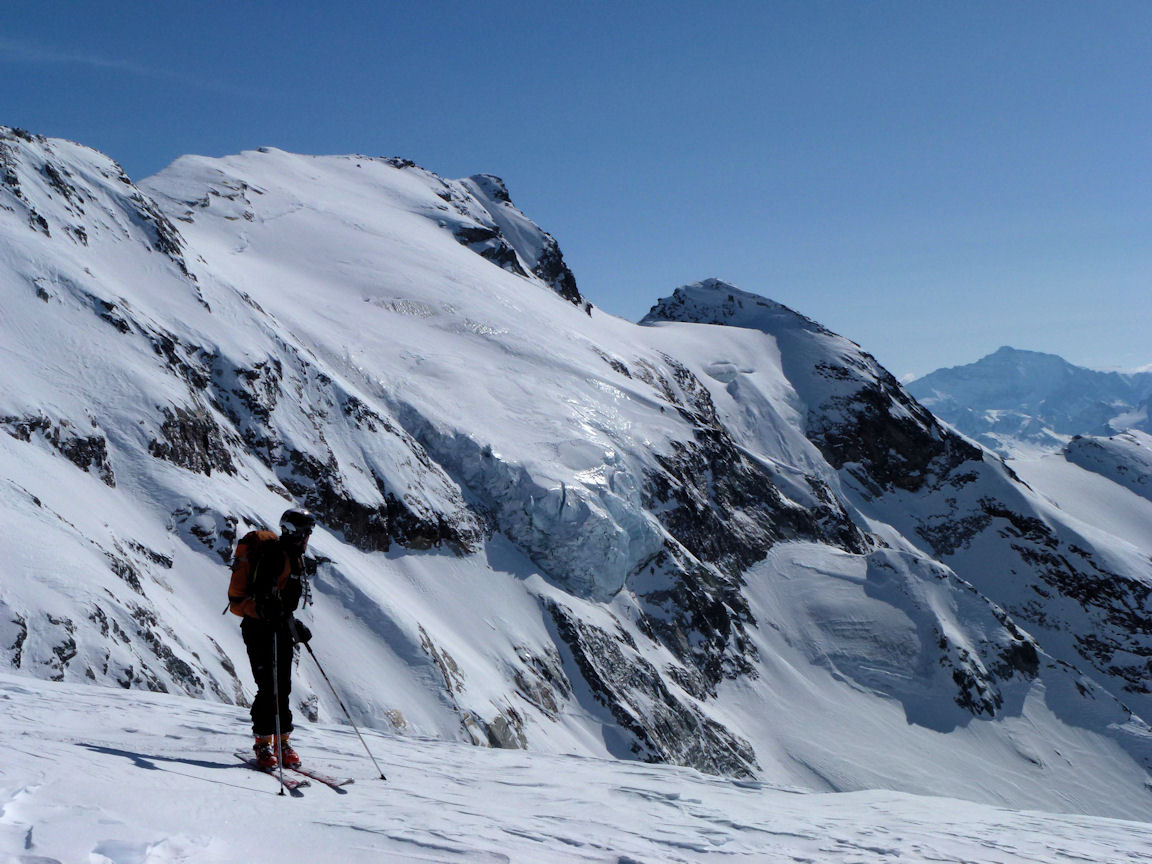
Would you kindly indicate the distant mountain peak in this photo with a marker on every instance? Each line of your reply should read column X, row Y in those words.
column 1010, row 351
column 1014, row 400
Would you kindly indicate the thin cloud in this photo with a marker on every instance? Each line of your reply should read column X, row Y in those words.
column 12, row 51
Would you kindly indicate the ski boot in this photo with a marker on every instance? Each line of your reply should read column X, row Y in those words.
column 265, row 749
column 291, row 757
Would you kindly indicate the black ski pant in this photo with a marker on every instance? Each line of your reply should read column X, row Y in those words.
column 258, row 640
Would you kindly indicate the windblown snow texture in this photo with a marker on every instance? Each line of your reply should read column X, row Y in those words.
column 180, row 797
column 744, row 549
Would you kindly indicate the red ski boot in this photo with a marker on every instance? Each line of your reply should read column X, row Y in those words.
column 291, row 757
column 265, row 749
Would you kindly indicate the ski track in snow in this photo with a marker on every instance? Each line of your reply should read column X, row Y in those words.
column 125, row 777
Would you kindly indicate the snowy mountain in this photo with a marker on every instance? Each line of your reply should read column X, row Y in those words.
column 1015, row 402
column 1080, row 591
column 724, row 539
column 1124, row 459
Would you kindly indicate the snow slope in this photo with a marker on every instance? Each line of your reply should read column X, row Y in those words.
column 742, row 548
column 1124, row 459
column 1092, row 488
column 131, row 777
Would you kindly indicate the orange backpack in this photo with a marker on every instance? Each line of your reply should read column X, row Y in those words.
column 241, row 588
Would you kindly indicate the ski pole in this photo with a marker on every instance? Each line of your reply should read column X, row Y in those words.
column 346, row 714
column 276, row 697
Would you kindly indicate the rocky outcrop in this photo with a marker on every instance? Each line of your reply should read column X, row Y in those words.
column 864, row 422
column 531, row 244
column 488, row 243
column 197, row 524
column 43, row 167
column 86, row 452
column 869, row 426
column 668, row 728
column 553, row 269
column 191, row 438
column 724, row 512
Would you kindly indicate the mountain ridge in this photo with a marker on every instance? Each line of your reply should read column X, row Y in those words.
column 539, row 526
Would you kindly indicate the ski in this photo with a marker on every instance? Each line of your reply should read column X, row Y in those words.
column 327, row 779
column 290, row 783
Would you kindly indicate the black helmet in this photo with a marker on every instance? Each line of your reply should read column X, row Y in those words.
column 297, row 523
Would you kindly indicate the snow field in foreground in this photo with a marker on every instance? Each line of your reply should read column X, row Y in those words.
column 126, row 777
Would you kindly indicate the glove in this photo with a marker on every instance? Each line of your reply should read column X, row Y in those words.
column 270, row 608
column 298, row 630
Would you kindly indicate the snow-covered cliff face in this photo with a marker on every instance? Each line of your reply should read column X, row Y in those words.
column 1086, row 597
column 742, row 548
column 1016, row 401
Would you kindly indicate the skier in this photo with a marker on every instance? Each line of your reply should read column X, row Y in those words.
column 265, row 590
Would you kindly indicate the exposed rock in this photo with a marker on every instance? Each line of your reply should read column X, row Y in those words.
column 702, row 616
column 18, row 639
column 192, row 439
column 541, row 680
column 56, row 177
column 553, row 269
column 506, row 730
column 668, row 729
column 159, row 639
column 449, row 670
column 65, row 650
column 884, row 437
column 316, row 484
column 86, row 452
column 206, row 528
column 164, row 236
column 247, row 395
column 38, row 223
column 1125, row 459
column 126, row 570
column 725, row 510
column 523, row 238
column 488, row 244
column 8, row 175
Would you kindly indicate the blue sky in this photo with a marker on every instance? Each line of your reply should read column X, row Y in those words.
column 931, row 179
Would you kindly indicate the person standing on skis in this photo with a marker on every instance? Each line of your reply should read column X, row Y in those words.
column 265, row 590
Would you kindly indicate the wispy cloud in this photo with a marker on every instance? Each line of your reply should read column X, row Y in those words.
column 14, row 51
